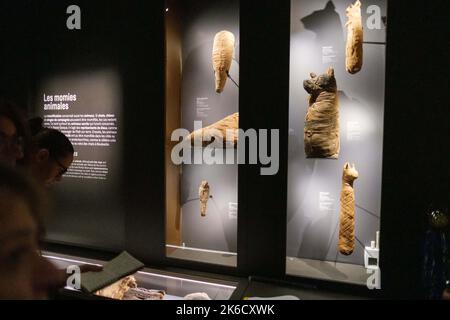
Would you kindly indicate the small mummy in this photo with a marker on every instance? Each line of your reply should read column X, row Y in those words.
column 347, row 215
column 203, row 193
column 355, row 38
column 222, row 57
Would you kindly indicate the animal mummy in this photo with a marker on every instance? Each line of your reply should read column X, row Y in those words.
column 347, row 215
column 321, row 131
column 355, row 38
column 144, row 294
column 203, row 193
column 197, row 296
column 118, row 289
column 222, row 57
column 224, row 131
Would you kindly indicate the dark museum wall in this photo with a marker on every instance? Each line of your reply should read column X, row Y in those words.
column 16, row 51
column 263, row 103
column 415, row 168
column 130, row 37
column 122, row 46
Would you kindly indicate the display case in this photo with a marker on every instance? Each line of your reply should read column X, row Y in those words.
column 202, row 101
column 157, row 75
column 336, row 114
column 171, row 285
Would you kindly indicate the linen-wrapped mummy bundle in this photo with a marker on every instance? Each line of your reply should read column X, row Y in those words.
column 222, row 57
column 347, row 215
column 203, row 194
column 321, row 132
column 144, row 294
column 118, row 289
column 355, row 38
column 225, row 131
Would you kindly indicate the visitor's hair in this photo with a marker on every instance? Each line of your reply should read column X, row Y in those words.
column 12, row 181
column 57, row 144
column 12, row 112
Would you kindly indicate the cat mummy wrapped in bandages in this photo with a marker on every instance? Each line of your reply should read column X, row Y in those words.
column 347, row 215
column 222, row 57
column 355, row 38
column 321, row 132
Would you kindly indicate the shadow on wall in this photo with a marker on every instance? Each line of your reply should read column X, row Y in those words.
column 327, row 26
column 229, row 233
column 313, row 243
column 193, row 64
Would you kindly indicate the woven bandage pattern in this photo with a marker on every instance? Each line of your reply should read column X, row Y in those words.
column 321, row 130
column 322, row 127
column 347, row 215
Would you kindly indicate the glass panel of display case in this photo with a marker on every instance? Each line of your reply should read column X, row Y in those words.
column 202, row 104
column 337, row 78
column 153, row 284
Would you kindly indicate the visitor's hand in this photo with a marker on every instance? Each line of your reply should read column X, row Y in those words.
column 446, row 295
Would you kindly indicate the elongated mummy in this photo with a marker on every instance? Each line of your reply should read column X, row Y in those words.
column 321, row 131
column 144, row 294
column 347, row 216
column 203, row 193
column 222, row 57
column 355, row 38
column 224, row 132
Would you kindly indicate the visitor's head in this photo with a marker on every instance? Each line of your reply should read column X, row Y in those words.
column 13, row 134
column 51, row 155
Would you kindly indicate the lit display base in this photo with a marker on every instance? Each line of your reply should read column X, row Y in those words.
column 176, row 286
column 326, row 270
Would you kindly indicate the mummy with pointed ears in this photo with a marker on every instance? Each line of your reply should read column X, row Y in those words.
column 347, row 215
